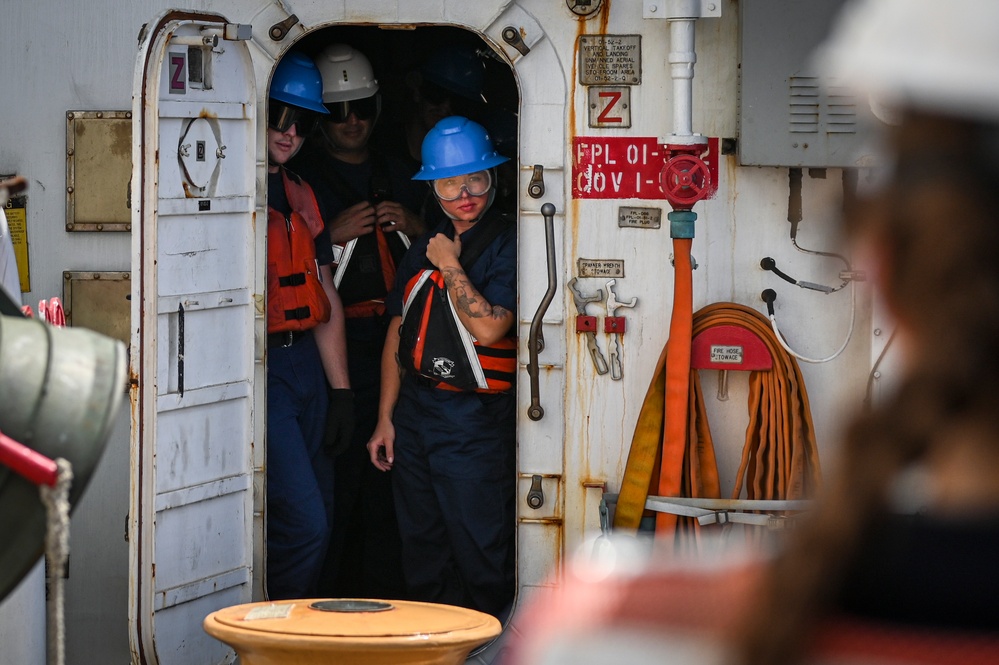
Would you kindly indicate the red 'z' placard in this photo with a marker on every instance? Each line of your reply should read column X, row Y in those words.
column 626, row 167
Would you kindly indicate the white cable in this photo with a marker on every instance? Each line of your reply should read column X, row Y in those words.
column 849, row 333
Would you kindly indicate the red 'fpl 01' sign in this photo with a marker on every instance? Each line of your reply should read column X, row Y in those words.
column 626, row 167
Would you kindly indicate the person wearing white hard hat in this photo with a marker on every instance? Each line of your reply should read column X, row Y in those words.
column 372, row 205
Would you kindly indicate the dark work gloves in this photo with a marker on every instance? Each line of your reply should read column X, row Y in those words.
column 339, row 421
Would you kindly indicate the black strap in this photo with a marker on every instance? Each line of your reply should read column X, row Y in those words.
column 470, row 252
column 292, row 280
column 297, row 314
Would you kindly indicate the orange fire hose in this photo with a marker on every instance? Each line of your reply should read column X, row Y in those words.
column 674, row 439
column 780, row 457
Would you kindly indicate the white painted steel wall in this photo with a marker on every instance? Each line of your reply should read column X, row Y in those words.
column 80, row 56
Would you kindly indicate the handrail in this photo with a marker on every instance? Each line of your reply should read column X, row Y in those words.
column 536, row 341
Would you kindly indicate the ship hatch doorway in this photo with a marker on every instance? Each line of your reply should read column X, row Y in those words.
column 422, row 76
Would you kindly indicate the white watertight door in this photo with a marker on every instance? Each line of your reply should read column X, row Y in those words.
column 191, row 515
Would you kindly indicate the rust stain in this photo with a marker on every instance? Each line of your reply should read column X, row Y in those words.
column 205, row 113
column 605, row 11
column 121, row 138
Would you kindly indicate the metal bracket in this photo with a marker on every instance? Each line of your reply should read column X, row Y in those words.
column 536, row 188
column 278, row 31
column 512, row 37
column 237, row 32
column 681, row 9
column 536, row 495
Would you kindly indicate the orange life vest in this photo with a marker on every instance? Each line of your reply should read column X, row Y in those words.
column 434, row 344
column 295, row 296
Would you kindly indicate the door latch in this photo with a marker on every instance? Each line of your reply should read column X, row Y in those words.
column 536, row 188
column 511, row 36
column 536, row 495
column 278, row 31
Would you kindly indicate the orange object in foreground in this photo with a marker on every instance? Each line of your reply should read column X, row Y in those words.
column 346, row 631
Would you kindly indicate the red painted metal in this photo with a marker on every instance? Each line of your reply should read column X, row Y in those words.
column 685, row 180
column 614, row 324
column 630, row 167
column 585, row 323
column 729, row 347
column 31, row 465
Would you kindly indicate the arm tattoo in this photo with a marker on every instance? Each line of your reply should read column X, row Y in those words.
column 466, row 298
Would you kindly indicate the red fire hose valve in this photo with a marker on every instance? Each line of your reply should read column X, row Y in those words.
column 685, row 180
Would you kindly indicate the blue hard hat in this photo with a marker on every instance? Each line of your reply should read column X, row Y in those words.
column 456, row 146
column 457, row 69
column 297, row 82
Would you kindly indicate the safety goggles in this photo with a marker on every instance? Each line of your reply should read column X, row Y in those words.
column 364, row 109
column 450, row 189
column 281, row 117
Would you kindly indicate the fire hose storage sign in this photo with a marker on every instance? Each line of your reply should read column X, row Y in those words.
column 615, row 167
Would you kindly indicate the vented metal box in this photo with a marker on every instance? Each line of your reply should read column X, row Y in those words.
column 786, row 116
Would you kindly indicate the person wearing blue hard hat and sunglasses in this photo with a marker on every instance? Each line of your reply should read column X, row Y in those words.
column 308, row 389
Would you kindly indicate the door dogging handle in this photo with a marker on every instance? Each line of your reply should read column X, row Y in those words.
column 536, row 341
column 535, row 495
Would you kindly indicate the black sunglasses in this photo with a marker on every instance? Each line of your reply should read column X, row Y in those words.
column 364, row 109
column 281, row 117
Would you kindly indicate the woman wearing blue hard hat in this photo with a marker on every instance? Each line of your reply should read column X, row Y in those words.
column 306, row 350
column 447, row 411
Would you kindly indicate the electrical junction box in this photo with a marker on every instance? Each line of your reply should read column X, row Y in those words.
column 787, row 116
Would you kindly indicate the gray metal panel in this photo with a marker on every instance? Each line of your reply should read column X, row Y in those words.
column 785, row 117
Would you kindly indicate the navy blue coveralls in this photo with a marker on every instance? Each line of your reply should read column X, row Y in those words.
column 365, row 555
column 299, row 472
column 454, row 474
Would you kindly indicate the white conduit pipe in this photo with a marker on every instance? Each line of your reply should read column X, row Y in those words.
column 681, row 64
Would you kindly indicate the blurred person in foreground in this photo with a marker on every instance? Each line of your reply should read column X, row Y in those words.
column 897, row 563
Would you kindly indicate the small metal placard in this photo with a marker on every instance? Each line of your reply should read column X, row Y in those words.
column 729, row 355
column 639, row 218
column 609, row 106
column 610, row 59
column 600, row 267
column 351, row 605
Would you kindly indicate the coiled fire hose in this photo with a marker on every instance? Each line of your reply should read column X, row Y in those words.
column 779, row 459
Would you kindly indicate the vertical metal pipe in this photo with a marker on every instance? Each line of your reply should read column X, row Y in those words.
column 681, row 64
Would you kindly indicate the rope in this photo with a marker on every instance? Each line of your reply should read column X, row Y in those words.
column 56, row 500
column 779, row 458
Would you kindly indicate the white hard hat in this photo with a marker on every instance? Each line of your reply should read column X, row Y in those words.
column 347, row 74
column 932, row 55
